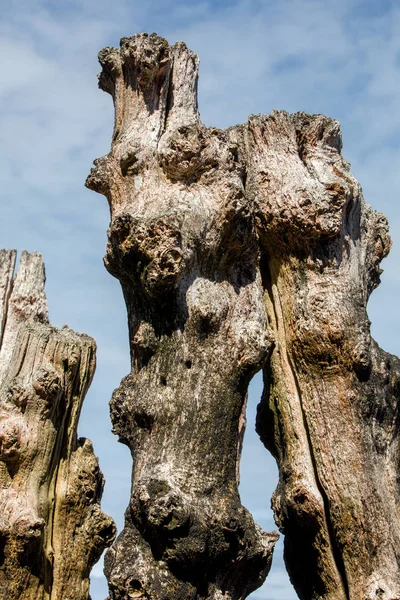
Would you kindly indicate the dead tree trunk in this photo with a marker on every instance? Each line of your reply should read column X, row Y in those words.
column 52, row 530
column 330, row 406
column 183, row 244
column 240, row 249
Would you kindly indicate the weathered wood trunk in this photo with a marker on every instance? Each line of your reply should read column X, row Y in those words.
column 237, row 250
column 329, row 412
column 183, row 244
column 52, row 530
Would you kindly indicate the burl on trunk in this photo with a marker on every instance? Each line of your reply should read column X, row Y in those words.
column 239, row 250
column 52, row 530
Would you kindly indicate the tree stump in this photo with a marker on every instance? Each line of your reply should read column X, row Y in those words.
column 182, row 241
column 329, row 412
column 239, row 250
column 52, row 530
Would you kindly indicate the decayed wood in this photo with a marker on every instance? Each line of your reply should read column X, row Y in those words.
column 183, row 244
column 330, row 407
column 236, row 250
column 52, row 530
column 7, row 264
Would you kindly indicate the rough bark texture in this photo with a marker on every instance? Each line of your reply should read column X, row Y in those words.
column 329, row 412
column 183, row 244
column 236, row 250
column 52, row 530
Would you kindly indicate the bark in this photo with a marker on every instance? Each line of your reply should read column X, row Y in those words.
column 238, row 250
column 52, row 530
column 183, row 244
column 329, row 412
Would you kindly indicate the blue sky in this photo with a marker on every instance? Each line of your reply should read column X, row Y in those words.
column 341, row 59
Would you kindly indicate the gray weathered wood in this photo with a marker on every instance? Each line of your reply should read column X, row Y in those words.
column 7, row 264
column 183, row 244
column 52, row 530
column 330, row 407
column 236, row 250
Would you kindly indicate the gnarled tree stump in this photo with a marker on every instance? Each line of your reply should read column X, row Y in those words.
column 329, row 412
column 52, row 530
column 183, row 244
column 237, row 250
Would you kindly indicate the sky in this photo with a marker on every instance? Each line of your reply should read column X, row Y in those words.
column 341, row 59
